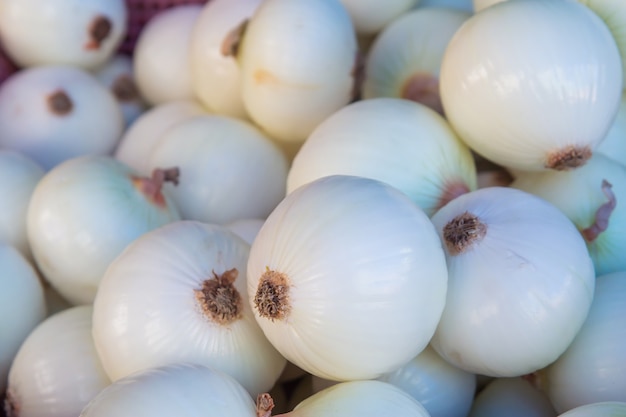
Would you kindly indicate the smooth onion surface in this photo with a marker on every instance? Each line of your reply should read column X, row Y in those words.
column 347, row 278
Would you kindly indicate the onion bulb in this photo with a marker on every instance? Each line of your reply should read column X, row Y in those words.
column 405, row 58
column 593, row 368
column 178, row 294
column 347, row 278
column 535, row 99
column 601, row 409
column 397, row 141
column 520, row 285
column 297, row 65
column 57, row 371
column 84, row 212
column 173, row 390
column 351, row 399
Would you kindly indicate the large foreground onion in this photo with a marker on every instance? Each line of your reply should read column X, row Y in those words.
column 347, row 278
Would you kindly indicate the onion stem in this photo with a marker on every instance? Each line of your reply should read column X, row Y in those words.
column 603, row 214
column 264, row 405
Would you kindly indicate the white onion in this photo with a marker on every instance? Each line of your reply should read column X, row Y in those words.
column 532, row 99
column 138, row 140
column 178, row 294
column 161, row 55
column 173, row 390
column 347, row 278
column 54, row 113
column 83, row 213
column 297, row 65
column 444, row 390
column 22, row 305
column 354, row 399
column 400, row 142
column 21, row 175
column 80, row 33
column 371, row 16
column 593, row 368
column 56, row 371
column 601, row 409
column 216, row 77
column 405, row 58
column 521, row 282
column 229, row 170
column 117, row 75
column 589, row 196
column 511, row 397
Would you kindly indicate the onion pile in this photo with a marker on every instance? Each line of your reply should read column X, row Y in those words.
column 312, row 208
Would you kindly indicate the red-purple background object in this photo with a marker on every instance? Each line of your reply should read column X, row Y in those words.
column 140, row 12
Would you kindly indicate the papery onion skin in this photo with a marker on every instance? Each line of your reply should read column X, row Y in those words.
column 397, row 141
column 297, row 65
column 579, row 194
column 593, row 368
column 57, row 371
column 150, row 309
column 360, row 399
column 172, row 390
column 495, row 66
column 82, row 214
column 521, row 282
column 345, row 262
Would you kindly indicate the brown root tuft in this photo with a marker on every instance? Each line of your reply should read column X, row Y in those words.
column 219, row 299
column 272, row 296
column 462, row 232
column 60, row 103
column 570, row 157
column 264, row 405
column 125, row 89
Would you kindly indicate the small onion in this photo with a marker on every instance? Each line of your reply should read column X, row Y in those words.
column 57, row 371
column 215, row 72
column 229, row 169
column 178, row 294
column 161, row 56
column 347, row 278
column 352, row 399
column 297, row 65
column 138, row 140
column 444, row 390
column 520, row 284
column 405, row 58
column 511, row 397
column 79, row 33
column 54, row 113
column 173, row 390
column 22, row 305
column 397, row 141
column 593, row 368
column 84, row 212
column 593, row 197
column 548, row 103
